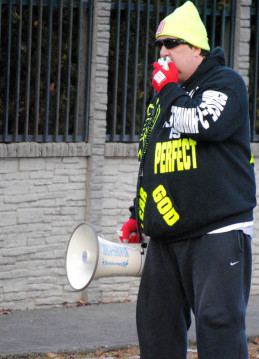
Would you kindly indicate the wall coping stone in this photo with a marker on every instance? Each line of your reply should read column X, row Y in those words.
column 80, row 149
column 118, row 149
column 51, row 149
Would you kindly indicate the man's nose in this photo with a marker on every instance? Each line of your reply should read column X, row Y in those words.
column 164, row 51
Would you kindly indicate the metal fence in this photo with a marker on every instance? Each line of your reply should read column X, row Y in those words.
column 45, row 57
column 254, row 68
column 44, row 70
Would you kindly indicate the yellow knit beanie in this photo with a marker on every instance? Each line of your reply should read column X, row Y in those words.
column 185, row 23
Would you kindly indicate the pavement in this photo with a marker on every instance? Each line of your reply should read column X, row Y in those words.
column 83, row 329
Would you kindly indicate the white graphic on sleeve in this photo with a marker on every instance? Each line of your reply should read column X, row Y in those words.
column 187, row 120
column 213, row 103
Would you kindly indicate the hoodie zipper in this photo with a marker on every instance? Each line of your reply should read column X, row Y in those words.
column 141, row 165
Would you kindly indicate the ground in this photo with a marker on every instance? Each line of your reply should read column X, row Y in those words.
column 123, row 354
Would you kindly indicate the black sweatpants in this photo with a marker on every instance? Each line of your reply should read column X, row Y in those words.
column 210, row 275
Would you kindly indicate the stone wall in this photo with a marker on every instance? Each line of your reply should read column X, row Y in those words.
column 255, row 241
column 41, row 200
column 242, row 39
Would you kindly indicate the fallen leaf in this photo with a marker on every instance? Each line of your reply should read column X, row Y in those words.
column 53, row 356
column 80, row 303
column 256, row 340
column 131, row 351
column 98, row 353
column 5, row 311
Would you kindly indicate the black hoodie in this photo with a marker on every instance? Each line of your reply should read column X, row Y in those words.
column 196, row 171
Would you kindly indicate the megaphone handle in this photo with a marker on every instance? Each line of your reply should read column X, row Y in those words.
column 143, row 247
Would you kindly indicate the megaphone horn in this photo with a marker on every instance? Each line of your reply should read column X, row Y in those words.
column 90, row 257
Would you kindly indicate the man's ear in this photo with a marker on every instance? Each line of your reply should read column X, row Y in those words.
column 196, row 51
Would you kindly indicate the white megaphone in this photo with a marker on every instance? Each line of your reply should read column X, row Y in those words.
column 91, row 257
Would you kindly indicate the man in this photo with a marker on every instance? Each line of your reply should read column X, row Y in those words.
column 195, row 199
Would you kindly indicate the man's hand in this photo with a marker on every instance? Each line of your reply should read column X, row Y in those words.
column 161, row 77
column 129, row 232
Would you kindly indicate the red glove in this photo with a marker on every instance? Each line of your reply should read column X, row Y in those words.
column 129, row 233
column 161, row 77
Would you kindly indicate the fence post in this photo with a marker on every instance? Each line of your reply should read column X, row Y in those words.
column 242, row 39
column 97, row 121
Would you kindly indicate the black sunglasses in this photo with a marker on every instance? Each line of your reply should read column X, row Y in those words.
column 169, row 43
